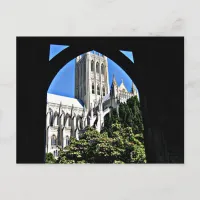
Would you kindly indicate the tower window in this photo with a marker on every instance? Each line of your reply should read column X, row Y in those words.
column 92, row 65
column 104, row 91
column 98, row 90
column 92, row 88
column 97, row 67
column 102, row 69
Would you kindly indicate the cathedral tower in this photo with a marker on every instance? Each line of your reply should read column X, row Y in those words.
column 91, row 78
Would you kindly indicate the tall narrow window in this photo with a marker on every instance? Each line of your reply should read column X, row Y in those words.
column 53, row 140
column 92, row 88
column 67, row 140
column 102, row 69
column 92, row 65
column 98, row 90
column 104, row 91
column 97, row 67
column 69, row 122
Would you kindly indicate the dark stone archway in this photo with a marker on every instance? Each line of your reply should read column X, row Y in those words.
column 158, row 72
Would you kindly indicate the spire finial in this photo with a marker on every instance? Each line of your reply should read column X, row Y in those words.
column 114, row 80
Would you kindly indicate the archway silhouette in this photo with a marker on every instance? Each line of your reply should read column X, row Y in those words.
column 157, row 72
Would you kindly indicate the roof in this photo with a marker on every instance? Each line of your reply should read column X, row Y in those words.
column 106, row 97
column 53, row 98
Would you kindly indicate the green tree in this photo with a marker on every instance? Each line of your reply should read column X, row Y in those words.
column 50, row 159
column 130, row 115
column 119, row 146
column 121, row 140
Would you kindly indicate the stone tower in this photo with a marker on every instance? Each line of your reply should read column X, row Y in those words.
column 91, row 78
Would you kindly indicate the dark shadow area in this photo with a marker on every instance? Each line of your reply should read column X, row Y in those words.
column 158, row 72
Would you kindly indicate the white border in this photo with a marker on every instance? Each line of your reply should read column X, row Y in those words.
column 98, row 18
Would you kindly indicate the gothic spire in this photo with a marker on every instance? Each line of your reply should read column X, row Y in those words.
column 60, row 108
column 114, row 82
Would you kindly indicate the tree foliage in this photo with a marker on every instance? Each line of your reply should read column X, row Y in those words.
column 49, row 158
column 119, row 146
column 121, row 141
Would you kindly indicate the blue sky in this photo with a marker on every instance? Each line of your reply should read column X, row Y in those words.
column 63, row 83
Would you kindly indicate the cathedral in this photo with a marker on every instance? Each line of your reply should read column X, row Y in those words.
column 94, row 98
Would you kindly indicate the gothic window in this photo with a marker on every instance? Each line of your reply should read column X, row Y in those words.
column 67, row 140
column 53, row 140
column 81, row 125
column 97, row 67
column 104, row 91
column 51, row 119
column 92, row 88
column 102, row 69
column 92, row 65
column 98, row 90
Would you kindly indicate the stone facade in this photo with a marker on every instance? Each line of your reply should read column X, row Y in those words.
column 93, row 100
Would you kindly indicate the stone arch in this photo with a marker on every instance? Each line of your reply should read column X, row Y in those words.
column 66, row 119
column 49, row 117
column 55, row 118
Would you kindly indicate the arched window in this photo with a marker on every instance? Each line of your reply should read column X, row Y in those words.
column 102, row 69
column 92, row 88
column 54, row 153
column 67, row 140
column 97, row 67
column 53, row 140
column 98, row 90
column 104, row 91
column 92, row 65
